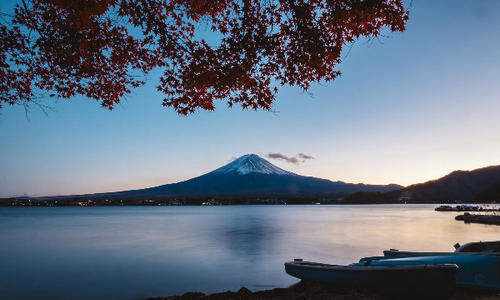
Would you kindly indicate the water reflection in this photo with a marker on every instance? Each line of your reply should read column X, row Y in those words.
column 135, row 252
column 247, row 235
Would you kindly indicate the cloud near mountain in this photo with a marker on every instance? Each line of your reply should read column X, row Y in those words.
column 297, row 159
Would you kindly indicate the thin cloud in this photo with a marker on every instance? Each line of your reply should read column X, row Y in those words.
column 292, row 160
column 305, row 156
column 296, row 160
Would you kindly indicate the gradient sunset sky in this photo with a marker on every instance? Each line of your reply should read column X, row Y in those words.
column 411, row 107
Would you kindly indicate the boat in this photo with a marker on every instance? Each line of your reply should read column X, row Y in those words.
column 445, row 208
column 466, row 208
column 429, row 281
column 484, row 247
column 482, row 219
column 478, row 262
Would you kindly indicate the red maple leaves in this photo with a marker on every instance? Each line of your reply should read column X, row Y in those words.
column 102, row 48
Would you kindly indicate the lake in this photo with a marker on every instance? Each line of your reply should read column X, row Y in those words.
column 134, row 252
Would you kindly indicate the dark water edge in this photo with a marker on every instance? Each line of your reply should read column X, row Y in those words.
column 318, row 291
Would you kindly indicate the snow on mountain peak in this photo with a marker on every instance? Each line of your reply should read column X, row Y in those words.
column 251, row 163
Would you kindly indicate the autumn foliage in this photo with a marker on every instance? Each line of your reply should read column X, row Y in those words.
column 207, row 50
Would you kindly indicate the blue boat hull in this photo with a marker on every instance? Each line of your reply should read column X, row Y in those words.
column 475, row 270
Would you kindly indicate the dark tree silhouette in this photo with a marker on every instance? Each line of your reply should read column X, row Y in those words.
column 103, row 48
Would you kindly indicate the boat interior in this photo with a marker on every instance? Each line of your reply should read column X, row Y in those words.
column 480, row 247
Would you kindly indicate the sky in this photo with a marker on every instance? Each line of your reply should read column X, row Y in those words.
column 408, row 108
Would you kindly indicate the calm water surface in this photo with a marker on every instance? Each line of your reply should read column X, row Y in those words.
column 134, row 252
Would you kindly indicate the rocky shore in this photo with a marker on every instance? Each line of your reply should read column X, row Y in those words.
column 316, row 291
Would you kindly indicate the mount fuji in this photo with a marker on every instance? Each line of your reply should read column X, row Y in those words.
column 249, row 176
column 251, row 163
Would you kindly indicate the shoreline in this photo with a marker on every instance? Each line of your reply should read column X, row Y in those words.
column 317, row 291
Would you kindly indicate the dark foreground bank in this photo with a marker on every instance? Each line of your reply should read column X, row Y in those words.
column 309, row 291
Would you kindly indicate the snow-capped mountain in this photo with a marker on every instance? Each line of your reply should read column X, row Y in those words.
column 251, row 163
column 249, row 176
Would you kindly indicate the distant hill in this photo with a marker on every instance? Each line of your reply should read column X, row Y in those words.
column 462, row 186
column 490, row 194
column 249, row 175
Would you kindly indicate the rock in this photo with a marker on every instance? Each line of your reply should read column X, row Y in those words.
column 244, row 291
column 192, row 295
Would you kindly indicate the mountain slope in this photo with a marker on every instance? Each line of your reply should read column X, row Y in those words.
column 250, row 175
column 490, row 194
column 461, row 186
